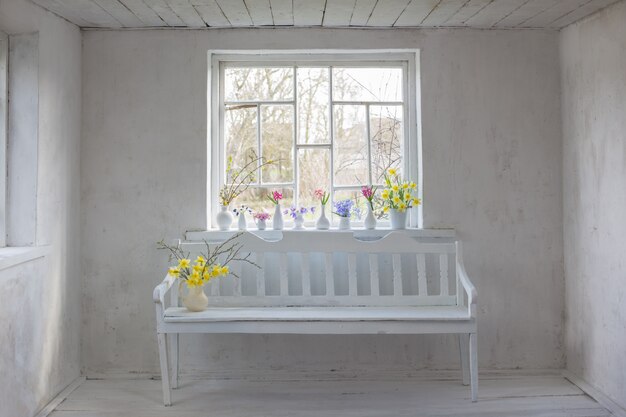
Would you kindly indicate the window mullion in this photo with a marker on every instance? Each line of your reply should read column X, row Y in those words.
column 332, row 137
column 296, row 175
column 258, row 143
column 369, row 144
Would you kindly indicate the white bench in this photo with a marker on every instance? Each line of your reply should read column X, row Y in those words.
column 331, row 283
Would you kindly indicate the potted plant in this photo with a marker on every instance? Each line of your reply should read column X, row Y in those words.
column 240, row 212
column 204, row 269
column 345, row 209
column 322, row 222
column 297, row 214
column 398, row 197
column 236, row 182
column 275, row 198
column 370, row 220
column 261, row 218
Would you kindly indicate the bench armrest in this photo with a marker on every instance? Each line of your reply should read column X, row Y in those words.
column 160, row 290
column 470, row 289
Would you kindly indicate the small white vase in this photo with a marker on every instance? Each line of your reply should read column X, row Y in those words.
column 277, row 221
column 242, row 223
column 196, row 299
column 298, row 222
column 224, row 218
column 370, row 220
column 322, row 223
column 398, row 219
column 344, row 223
column 260, row 224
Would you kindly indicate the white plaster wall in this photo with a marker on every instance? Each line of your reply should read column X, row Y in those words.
column 492, row 169
column 593, row 55
column 40, row 308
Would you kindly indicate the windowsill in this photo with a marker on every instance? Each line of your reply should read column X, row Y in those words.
column 358, row 233
column 15, row 255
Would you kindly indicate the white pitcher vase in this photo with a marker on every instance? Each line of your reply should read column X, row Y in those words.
column 196, row 299
column 322, row 223
column 277, row 221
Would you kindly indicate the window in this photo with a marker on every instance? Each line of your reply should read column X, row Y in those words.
column 327, row 121
column 4, row 131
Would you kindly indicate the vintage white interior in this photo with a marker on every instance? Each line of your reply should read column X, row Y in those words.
column 105, row 113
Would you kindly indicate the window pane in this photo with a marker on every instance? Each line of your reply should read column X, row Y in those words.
column 367, row 84
column 350, row 145
column 313, row 173
column 240, row 134
column 277, row 143
column 387, row 134
column 313, row 105
column 269, row 83
column 256, row 199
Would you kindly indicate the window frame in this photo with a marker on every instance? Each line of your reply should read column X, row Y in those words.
column 407, row 59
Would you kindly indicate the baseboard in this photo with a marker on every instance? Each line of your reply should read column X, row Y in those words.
column 596, row 394
column 49, row 408
column 329, row 375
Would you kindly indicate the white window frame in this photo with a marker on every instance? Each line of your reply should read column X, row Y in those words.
column 219, row 59
column 4, row 132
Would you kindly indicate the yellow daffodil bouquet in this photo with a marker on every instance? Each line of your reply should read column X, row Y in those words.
column 206, row 266
column 398, row 194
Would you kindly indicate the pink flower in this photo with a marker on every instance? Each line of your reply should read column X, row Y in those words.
column 277, row 195
column 367, row 192
column 319, row 194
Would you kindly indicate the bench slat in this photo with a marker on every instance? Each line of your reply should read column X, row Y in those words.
column 284, row 278
column 421, row 275
column 330, row 274
column 260, row 274
column 306, row 274
column 397, row 275
column 352, row 280
column 443, row 274
column 374, row 279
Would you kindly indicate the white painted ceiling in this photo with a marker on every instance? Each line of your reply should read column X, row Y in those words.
column 327, row 13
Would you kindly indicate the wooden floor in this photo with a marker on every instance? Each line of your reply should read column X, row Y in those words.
column 544, row 395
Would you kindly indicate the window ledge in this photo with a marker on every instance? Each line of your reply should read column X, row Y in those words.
column 218, row 235
column 15, row 255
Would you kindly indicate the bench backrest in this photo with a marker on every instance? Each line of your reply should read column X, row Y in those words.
column 335, row 269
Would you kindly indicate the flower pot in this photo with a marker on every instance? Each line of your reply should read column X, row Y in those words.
column 224, row 218
column 242, row 223
column 398, row 219
column 261, row 224
column 277, row 222
column 370, row 220
column 298, row 222
column 196, row 299
column 322, row 223
column 344, row 223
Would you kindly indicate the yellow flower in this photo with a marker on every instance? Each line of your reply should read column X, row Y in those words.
column 175, row 271
column 396, row 200
column 402, row 207
column 198, row 268
column 224, row 270
column 195, row 275
column 392, row 171
column 395, row 187
column 413, row 186
column 417, row 201
column 200, row 260
column 385, row 194
column 206, row 276
column 405, row 185
column 184, row 263
column 407, row 196
column 385, row 209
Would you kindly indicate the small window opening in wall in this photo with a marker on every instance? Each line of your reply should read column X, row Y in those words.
column 331, row 121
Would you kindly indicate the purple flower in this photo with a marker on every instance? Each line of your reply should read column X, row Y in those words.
column 344, row 208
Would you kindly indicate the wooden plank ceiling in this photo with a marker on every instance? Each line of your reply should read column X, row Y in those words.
column 494, row 14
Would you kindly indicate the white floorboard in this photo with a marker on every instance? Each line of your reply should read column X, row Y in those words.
column 501, row 395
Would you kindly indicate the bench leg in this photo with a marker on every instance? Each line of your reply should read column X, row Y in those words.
column 174, row 358
column 165, row 377
column 464, row 353
column 473, row 350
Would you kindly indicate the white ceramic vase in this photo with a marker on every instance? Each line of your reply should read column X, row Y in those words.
column 398, row 219
column 260, row 224
column 298, row 222
column 344, row 223
column 242, row 223
column 224, row 218
column 322, row 223
column 277, row 221
column 370, row 219
column 196, row 299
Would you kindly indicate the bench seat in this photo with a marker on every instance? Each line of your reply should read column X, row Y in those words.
column 299, row 314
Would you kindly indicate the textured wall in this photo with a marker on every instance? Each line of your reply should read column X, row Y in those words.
column 492, row 169
column 593, row 55
column 40, row 308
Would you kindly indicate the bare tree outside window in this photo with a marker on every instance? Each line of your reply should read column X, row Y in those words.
column 336, row 128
